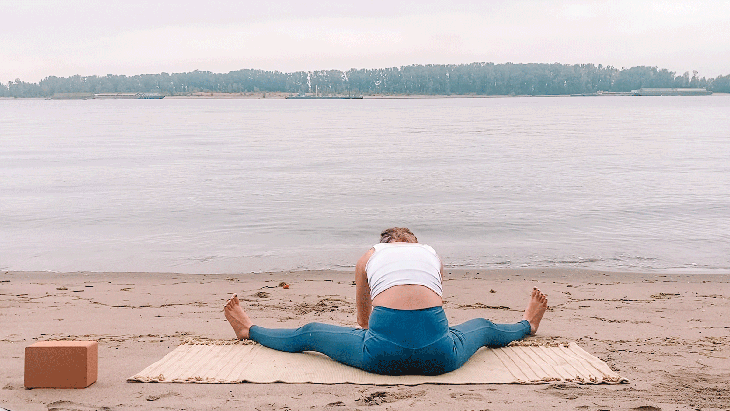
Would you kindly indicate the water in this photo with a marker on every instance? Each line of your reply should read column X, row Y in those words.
column 207, row 186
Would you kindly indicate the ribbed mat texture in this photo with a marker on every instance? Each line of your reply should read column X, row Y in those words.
column 225, row 363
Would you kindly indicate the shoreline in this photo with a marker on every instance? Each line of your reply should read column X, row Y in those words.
column 668, row 334
column 453, row 268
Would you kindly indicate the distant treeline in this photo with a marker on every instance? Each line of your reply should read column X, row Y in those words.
column 431, row 79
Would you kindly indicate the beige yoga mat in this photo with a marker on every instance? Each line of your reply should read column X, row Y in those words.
column 224, row 362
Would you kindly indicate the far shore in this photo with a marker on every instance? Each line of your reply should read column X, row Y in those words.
column 278, row 95
column 669, row 334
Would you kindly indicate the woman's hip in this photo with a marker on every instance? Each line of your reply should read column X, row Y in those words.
column 384, row 357
column 410, row 329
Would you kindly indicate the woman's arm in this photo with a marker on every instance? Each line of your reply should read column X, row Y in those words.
column 362, row 290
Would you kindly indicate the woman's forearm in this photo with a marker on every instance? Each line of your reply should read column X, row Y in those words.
column 362, row 292
column 363, row 315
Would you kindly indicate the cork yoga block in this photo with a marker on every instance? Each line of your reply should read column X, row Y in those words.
column 61, row 364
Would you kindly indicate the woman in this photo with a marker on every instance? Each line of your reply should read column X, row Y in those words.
column 399, row 307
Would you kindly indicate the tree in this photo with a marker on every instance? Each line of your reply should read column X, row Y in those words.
column 721, row 84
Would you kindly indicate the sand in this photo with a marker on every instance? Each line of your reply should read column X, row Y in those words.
column 668, row 334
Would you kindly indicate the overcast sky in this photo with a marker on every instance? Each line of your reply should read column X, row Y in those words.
column 62, row 38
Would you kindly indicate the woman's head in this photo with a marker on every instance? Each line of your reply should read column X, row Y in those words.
column 397, row 235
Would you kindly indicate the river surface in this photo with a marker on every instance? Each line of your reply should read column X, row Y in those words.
column 235, row 186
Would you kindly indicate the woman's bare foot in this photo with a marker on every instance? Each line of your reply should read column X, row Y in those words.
column 535, row 309
column 237, row 317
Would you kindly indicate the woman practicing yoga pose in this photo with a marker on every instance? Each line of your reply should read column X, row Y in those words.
column 399, row 307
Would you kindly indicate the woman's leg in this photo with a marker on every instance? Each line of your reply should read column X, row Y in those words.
column 342, row 344
column 339, row 343
column 479, row 332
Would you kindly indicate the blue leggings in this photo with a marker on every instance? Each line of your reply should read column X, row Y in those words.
column 398, row 342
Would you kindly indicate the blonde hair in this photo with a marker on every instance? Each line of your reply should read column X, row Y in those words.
column 397, row 235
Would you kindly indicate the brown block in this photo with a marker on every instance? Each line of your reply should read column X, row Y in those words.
column 61, row 364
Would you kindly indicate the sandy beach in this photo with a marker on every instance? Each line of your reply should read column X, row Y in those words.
column 668, row 334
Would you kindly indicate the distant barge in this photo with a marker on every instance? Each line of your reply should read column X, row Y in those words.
column 304, row 97
column 146, row 96
column 115, row 96
column 671, row 92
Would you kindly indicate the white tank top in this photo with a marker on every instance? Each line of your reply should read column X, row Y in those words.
column 403, row 264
